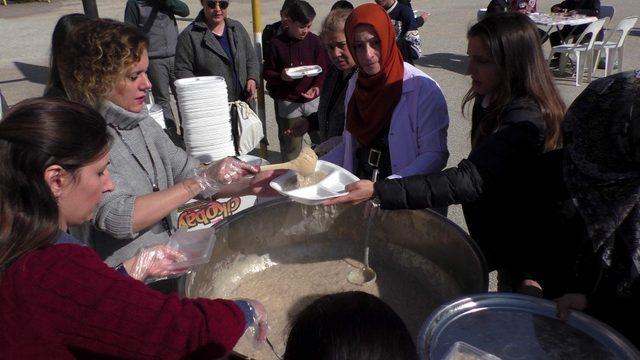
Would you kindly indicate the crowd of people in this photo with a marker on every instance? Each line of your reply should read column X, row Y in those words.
column 90, row 183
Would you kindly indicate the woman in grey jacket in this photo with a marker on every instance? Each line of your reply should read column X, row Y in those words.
column 106, row 68
column 216, row 45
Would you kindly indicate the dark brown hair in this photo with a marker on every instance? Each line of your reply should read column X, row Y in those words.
column 514, row 45
column 98, row 54
column 34, row 135
column 351, row 325
column 65, row 25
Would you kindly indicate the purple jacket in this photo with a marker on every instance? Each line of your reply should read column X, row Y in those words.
column 287, row 52
column 418, row 132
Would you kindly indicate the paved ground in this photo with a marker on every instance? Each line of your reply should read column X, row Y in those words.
column 26, row 28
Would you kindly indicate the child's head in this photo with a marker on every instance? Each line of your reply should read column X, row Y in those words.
column 285, row 9
column 351, row 325
column 300, row 15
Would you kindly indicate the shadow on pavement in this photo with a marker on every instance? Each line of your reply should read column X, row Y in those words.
column 452, row 62
column 634, row 32
column 32, row 73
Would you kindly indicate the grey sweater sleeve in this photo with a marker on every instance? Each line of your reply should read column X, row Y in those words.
column 115, row 212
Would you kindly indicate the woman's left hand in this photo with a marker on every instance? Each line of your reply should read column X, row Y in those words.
column 566, row 302
column 359, row 191
column 154, row 262
column 252, row 93
column 312, row 93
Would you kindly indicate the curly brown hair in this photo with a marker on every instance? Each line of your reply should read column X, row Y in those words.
column 101, row 50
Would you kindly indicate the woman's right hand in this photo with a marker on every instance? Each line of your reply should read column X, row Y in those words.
column 223, row 172
column 359, row 191
column 257, row 326
column 229, row 170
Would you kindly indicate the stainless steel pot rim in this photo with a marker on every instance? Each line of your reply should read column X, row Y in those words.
column 447, row 314
column 280, row 200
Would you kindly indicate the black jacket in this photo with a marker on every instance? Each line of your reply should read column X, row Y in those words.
column 489, row 184
column 199, row 53
column 584, row 7
column 157, row 20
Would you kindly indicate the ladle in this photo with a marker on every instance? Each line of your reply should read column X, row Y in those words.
column 366, row 274
column 304, row 164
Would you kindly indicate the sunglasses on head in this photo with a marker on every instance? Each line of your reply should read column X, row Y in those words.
column 222, row 4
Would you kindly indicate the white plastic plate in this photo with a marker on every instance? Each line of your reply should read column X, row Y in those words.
column 300, row 71
column 331, row 186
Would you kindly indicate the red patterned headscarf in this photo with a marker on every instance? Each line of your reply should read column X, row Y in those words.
column 376, row 96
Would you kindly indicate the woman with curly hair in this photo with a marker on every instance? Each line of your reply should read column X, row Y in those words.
column 106, row 69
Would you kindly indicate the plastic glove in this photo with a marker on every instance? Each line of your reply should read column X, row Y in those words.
column 154, row 263
column 256, row 315
column 222, row 172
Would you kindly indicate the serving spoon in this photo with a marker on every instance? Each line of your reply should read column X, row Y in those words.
column 304, row 164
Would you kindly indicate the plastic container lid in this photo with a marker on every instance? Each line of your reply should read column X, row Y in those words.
column 195, row 245
column 461, row 350
column 512, row 326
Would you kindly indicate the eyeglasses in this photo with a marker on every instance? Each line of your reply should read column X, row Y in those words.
column 222, row 4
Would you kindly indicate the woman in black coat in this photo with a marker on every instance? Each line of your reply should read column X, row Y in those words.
column 588, row 247
column 516, row 117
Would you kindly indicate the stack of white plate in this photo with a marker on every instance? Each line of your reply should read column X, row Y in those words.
column 205, row 117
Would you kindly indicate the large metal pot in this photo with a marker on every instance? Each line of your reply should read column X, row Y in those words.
column 429, row 255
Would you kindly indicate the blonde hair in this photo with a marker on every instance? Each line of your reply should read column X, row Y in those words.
column 334, row 22
column 98, row 54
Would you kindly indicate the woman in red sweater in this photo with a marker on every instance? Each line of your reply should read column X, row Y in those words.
column 58, row 300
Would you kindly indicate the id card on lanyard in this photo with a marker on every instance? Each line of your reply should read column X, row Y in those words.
column 152, row 181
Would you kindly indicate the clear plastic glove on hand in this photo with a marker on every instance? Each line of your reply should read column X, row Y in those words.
column 257, row 326
column 154, row 263
column 222, row 172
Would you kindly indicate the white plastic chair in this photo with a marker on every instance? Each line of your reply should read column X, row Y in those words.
column 612, row 47
column 582, row 51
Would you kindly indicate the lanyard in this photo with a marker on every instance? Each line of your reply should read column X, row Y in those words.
column 153, row 182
